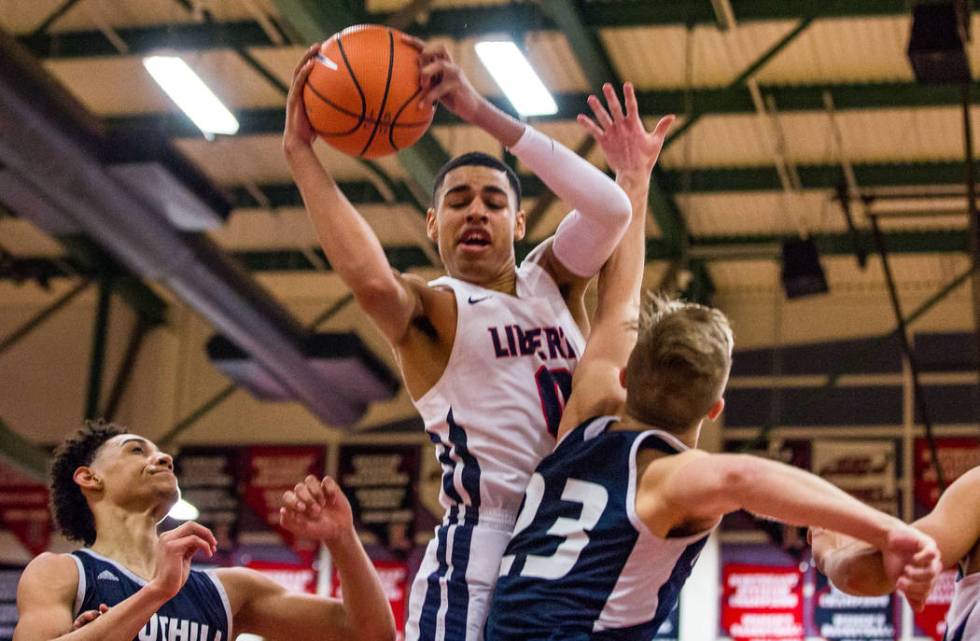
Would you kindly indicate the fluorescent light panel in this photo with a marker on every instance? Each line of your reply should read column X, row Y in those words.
column 184, row 511
column 191, row 94
column 516, row 78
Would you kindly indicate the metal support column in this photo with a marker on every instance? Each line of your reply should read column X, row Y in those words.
column 903, row 337
column 974, row 222
column 124, row 375
column 97, row 361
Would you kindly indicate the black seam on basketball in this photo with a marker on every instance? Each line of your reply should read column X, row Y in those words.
column 384, row 98
column 353, row 77
column 341, row 110
column 348, row 112
column 394, row 121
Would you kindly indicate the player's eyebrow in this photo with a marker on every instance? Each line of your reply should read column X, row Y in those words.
column 458, row 189
column 134, row 438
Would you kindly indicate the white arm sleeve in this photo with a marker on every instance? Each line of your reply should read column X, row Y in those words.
column 586, row 238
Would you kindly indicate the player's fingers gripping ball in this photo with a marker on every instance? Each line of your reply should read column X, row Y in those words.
column 362, row 95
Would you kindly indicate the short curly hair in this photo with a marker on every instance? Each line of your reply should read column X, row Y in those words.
column 68, row 505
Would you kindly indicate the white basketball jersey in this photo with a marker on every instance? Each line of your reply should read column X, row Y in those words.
column 963, row 618
column 494, row 413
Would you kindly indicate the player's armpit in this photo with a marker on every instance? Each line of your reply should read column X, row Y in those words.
column 955, row 521
column 45, row 596
column 392, row 303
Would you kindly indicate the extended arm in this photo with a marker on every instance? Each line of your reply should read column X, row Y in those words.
column 601, row 213
column 632, row 153
column 349, row 243
column 316, row 509
column 46, row 592
column 954, row 524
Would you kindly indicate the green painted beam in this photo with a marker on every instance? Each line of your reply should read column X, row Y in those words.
column 899, row 242
column 702, row 181
column 23, row 454
column 314, row 20
column 710, row 101
column 449, row 22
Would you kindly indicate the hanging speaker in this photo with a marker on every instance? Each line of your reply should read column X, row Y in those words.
column 937, row 46
column 802, row 273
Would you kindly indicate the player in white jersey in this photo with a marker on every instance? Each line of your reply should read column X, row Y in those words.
column 614, row 518
column 954, row 524
column 486, row 353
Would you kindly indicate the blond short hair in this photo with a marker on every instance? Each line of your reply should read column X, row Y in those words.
column 680, row 365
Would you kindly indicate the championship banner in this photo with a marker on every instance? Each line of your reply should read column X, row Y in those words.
column 24, row 509
column 380, row 483
column 863, row 469
column 209, row 478
column 394, row 582
column 932, row 620
column 293, row 577
column 841, row 617
column 9, row 577
column 956, row 456
column 272, row 470
column 762, row 603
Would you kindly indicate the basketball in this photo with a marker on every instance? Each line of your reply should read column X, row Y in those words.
column 363, row 91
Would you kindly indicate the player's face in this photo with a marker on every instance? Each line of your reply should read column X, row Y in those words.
column 476, row 223
column 136, row 474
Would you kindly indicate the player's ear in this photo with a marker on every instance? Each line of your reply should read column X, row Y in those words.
column 87, row 479
column 431, row 228
column 716, row 409
column 622, row 377
column 520, row 225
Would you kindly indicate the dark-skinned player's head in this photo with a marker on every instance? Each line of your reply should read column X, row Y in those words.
column 104, row 462
column 476, row 217
column 676, row 374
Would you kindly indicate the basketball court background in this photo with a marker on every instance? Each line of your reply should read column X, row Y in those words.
column 789, row 110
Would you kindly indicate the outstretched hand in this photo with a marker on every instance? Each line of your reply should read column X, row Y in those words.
column 443, row 80
column 299, row 132
column 912, row 563
column 628, row 146
column 317, row 509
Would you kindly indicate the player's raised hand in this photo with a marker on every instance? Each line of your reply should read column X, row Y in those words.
column 299, row 132
column 913, row 563
column 174, row 552
column 317, row 509
column 443, row 80
column 628, row 146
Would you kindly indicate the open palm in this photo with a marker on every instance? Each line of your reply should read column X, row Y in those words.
column 317, row 510
column 627, row 145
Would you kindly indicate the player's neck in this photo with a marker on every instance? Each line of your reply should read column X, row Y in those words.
column 505, row 282
column 126, row 537
column 688, row 437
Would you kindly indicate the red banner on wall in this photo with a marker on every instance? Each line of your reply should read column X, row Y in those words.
column 762, row 603
column 932, row 620
column 394, row 581
column 295, row 578
column 24, row 509
column 271, row 471
column 956, row 456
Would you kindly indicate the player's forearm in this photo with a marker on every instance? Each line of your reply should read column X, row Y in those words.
column 368, row 613
column 621, row 278
column 793, row 496
column 853, row 566
column 349, row 243
column 120, row 623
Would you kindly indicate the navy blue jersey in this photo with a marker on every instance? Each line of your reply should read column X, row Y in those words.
column 199, row 612
column 580, row 564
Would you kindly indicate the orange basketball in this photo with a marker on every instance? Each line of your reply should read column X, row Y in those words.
column 363, row 91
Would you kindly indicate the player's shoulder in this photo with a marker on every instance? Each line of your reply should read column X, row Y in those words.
column 656, row 466
column 52, row 573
